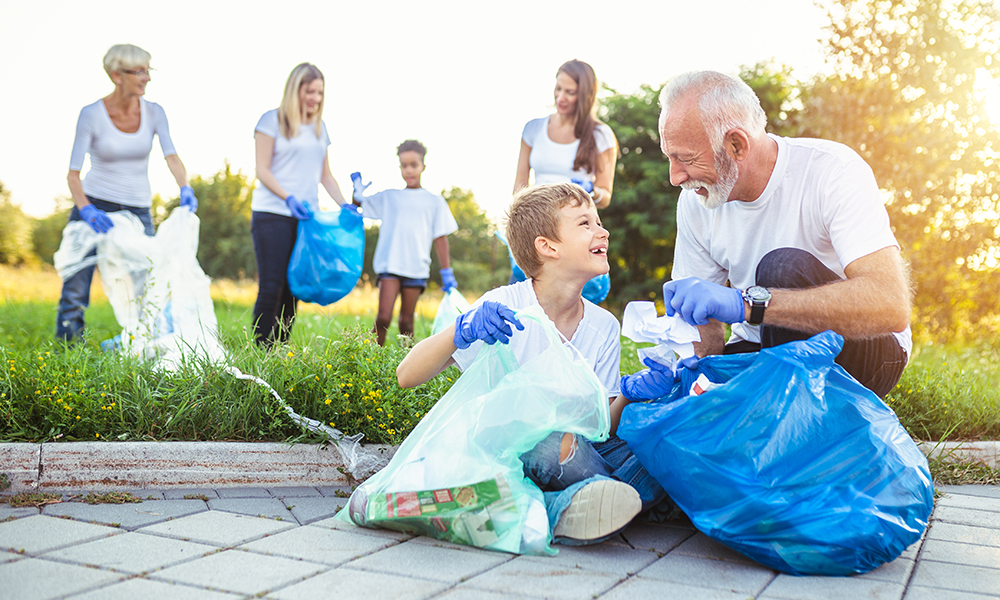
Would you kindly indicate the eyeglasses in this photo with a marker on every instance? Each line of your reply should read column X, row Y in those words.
column 148, row 73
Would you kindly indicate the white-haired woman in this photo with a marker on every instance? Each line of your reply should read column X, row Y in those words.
column 291, row 159
column 117, row 132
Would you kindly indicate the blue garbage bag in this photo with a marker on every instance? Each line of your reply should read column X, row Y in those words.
column 791, row 462
column 328, row 256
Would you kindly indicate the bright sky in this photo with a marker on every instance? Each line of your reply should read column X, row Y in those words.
column 463, row 77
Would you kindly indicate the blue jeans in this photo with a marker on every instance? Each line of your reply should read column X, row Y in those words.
column 274, row 311
column 75, row 297
column 877, row 363
column 589, row 461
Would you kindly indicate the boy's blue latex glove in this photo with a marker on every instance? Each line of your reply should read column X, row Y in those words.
column 654, row 382
column 698, row 300
column 588, row 186
column 98, row 220
column 448, row 281
column 300, row 208
column 488, row 322
column 359, row 186
column 187, row 198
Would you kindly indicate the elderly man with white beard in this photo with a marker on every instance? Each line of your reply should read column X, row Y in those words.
column 780, row 237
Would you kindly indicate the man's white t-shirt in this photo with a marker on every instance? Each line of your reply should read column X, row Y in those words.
column 597, row 337
column 296, row 163
column 552, row 162
column 119, row 161
column 411, row 220
column 822, row 198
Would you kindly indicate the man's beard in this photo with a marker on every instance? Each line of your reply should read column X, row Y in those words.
column 718, row 193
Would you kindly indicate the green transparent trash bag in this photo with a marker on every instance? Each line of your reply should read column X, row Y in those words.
column 458, row 476
column 452, row 305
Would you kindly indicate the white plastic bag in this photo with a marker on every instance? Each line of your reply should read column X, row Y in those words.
column 78, row 240
column 452, row 305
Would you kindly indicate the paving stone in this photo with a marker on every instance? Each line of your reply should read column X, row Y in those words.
column 7, row 556
column 423, row 539
column 983, row 491
column 318, row 544
column 466, row 593
column 335, row 491
column 271, row 508
column 309, row 509
column 349, row 583
column 40, row 534
column 192, row 494
column 693, row 571
column 951, row 532
column 972, row 502
column 791, row 587
column 36, row 578
column 651, row 589
column 536, row 578
column 240, row 572
column 967, row 516
column 126, row 516
column 132, row 552
column 963, row 554
column 925, row 593
column 334, row 523
column 600, row 558
column 896, row 571
column 702, row 546
column 218, row 528
column 147, row 589
column 294, row 492
column 9, row 512
column 245, row 492
column 650, row 536
column 430, row 562
column 962, row 578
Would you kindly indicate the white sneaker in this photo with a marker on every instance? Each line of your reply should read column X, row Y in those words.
column 599, row 509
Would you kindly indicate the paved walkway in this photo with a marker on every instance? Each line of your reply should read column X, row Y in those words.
column 283, row 544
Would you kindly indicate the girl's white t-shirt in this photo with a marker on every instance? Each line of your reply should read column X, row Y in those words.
column 296, row 163
column 119, row 161
column 552, row 162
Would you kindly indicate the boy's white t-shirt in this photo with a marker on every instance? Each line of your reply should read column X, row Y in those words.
column 297, row 164
column 822, row 198
column 411, row 220
column 552, row 162
column 119, row 161
column 597, row 337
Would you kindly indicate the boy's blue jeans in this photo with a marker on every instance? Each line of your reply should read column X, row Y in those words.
column 75, row 297
column 587, row 462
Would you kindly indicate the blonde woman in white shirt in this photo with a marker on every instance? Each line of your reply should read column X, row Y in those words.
column 117, row 133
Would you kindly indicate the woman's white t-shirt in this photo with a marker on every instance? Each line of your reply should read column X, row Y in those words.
column 552, row 162
column 296, row 163
column 119, row 161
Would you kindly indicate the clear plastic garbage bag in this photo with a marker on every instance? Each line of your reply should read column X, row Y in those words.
column 328, row 256
column 458, row 475
column 791, row 462
column 158, row 291
column 452, row 305
column 77, row 249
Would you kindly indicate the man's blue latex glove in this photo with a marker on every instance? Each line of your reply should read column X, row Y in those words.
column 488, row 322
column 188, row 199
column 359, row 186
column 98, row 220
column 352, row 208
column 654, row 382
column 448, row 281
column 300, row 208
column 698, row 300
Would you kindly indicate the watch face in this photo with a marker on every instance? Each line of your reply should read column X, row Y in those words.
column 758, row 294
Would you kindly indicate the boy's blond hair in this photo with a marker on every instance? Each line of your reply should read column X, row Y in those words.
column 534, row 213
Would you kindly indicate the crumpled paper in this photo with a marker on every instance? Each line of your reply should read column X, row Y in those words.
column 673, row 337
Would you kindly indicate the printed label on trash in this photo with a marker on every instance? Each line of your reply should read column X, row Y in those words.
column 477, row 514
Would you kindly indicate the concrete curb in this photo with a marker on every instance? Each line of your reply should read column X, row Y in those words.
column 987, row 453
column 165, row 465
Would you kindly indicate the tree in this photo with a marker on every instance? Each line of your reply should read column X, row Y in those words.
column 905, row 96
column 47, row 231
column 15, row 232
column 477, row 256
column 225, row 248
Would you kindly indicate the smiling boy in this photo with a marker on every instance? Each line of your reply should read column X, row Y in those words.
column 592, row 490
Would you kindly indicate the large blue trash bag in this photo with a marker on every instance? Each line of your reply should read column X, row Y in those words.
column 328, row 256
column 792, row 462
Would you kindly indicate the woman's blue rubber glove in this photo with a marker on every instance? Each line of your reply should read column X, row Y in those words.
column 487, row 322
column 300, row 208
column 448, row 281
column 698, row 300
column 98, row 220
column 351, row 208
column 588, row 186
column 359, row 187
column 187, row 198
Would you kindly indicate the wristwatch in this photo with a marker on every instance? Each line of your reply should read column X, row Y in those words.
column 757, row 297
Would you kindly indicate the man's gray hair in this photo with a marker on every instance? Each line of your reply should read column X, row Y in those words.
column 725, row 103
